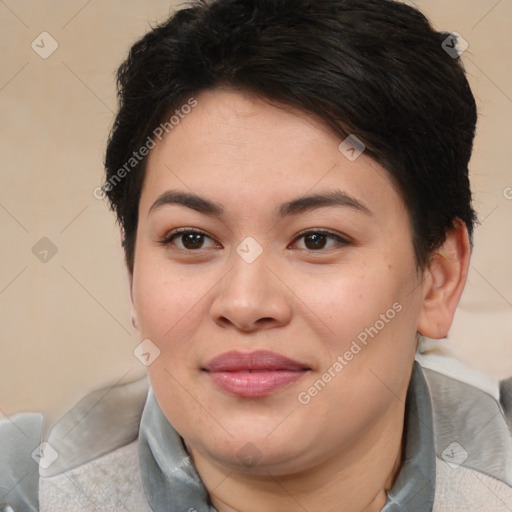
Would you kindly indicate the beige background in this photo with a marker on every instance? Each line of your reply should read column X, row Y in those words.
column 65, row 323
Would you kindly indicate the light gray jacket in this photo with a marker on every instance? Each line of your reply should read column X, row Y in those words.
column 115, row 450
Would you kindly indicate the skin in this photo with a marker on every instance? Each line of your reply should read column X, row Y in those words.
column 343, row 449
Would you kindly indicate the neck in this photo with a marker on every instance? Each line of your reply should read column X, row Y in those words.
column 354, row 480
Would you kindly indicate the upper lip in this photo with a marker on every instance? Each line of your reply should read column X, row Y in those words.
column 260, row 360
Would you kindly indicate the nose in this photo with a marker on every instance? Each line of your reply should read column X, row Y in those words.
column 251, row 298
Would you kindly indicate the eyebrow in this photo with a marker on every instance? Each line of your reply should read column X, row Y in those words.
column 294, row 207
column 193, row 201
column 322, row 200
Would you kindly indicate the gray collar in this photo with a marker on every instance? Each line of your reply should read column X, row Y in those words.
column 172, row 484
column 414, row 487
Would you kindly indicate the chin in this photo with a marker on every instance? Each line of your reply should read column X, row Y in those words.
column 255, row 455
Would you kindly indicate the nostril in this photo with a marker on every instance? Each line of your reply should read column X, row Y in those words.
column 265, row 320
column 224, row 321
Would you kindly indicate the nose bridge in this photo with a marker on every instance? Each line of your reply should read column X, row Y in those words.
column 249, row 275
column 250, row 292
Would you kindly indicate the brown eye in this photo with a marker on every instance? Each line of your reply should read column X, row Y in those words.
column 315, row 241
column 189, row 240
column 318, row 240
column 192, row 240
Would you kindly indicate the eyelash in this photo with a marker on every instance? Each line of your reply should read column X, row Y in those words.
column 181, row 231
column 340, row 241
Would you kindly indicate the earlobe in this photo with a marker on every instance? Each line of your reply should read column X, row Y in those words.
column 444, row 283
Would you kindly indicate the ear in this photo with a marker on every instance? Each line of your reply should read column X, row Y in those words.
column 133, row 313
column 444, row 282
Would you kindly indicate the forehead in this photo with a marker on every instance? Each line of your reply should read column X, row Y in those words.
column 240, row 150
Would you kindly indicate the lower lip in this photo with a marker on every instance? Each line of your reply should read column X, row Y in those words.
column 254, row 384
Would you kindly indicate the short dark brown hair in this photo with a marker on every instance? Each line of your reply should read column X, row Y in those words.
column 375, row 69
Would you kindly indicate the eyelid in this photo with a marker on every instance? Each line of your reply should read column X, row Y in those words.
column 168, row 238
column 340, row 239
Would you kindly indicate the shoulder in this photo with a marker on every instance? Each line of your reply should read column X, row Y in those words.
column 472, row 433
column 20, row 437
column 461, row 489
column 109, row 483
column 95, row 446
column 102, row 421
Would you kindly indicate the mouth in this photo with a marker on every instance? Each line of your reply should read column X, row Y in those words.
column 253, row 374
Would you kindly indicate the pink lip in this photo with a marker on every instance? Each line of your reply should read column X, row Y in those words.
column 253, row 374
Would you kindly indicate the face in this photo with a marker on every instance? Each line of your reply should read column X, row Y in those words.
column 277, row 278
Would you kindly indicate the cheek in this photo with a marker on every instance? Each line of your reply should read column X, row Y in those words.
column 168, row 299
column 371, row 342
column 365, row 313
column 347, row 299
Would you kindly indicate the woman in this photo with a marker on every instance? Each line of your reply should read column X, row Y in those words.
column 292, row 186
